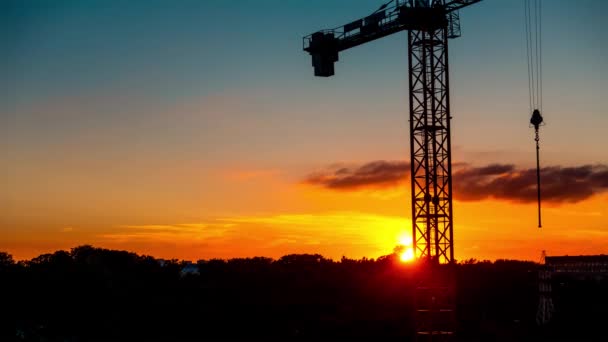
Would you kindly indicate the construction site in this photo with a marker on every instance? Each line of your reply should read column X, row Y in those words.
column 430, row 25
column 165, row 183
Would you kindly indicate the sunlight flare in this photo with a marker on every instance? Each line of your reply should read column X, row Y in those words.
column 407, row 255
column 407, row 250
column 405, row 239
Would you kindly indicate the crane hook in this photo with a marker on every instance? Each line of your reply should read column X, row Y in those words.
column 536, row 120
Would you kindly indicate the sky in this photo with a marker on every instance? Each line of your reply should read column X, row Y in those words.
column 196, row 130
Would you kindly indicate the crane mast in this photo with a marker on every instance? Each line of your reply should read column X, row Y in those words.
column 429, row 24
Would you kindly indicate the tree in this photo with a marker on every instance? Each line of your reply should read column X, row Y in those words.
column 6, row 260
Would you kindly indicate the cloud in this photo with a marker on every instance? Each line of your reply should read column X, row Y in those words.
column 558, row 184
column 374, row 174
column 332, row 234
column 170, row 232
column 474, row 183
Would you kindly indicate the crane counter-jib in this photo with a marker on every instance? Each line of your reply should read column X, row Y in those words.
column 324, row 45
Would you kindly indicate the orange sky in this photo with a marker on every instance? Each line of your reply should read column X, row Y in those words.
column 264, row 212
column 196, row 196
column 167, row 136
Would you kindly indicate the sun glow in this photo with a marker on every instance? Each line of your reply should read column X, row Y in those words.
column 405, row 240
column 407, row 254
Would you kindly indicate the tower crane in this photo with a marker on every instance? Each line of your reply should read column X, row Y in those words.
column 430, row 23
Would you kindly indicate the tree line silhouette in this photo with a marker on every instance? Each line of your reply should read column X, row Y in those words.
column 95, row 294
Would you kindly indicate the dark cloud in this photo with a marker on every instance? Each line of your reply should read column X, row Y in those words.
column 499, row 181
column 492, row 169
column 558, row 184
column 374, row 174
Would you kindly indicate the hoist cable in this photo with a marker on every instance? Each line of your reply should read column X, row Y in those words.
column 537, row 51
column 540, row 52
column 526, row 21
column 533, row 32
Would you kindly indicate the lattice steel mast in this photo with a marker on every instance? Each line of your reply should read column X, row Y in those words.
column 429, row 24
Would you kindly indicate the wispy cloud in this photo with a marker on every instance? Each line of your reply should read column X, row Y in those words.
column 333, row 234
column 473, row 183
column 168, row 232
column 375, row 174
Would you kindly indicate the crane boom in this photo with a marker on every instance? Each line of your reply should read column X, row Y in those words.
column 458, row 4
column 325, row 45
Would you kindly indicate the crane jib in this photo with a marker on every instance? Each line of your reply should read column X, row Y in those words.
column 325, row 45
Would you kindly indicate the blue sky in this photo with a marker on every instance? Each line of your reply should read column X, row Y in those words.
column 164, row 52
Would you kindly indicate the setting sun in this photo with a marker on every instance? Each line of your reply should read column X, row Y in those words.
column 407, row 252
column 407, row 255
